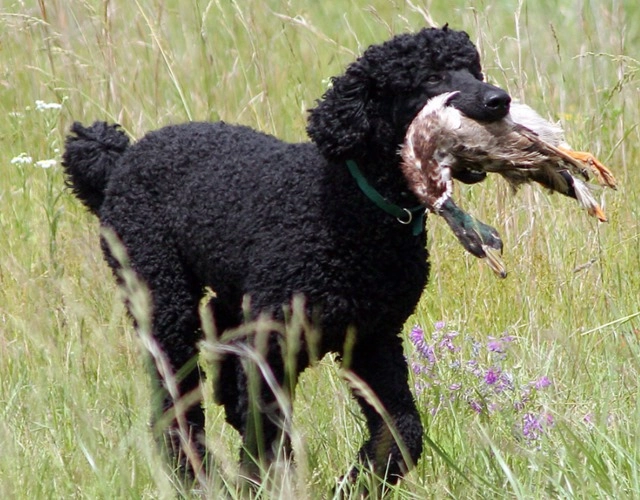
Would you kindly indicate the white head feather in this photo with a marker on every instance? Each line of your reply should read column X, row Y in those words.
column 549, row 132
column 448, row 115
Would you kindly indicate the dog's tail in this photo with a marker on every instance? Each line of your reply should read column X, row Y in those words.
column 89, row 157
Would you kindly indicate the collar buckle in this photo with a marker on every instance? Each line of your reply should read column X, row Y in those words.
column 406, row 216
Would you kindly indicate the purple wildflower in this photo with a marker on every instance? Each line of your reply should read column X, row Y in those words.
column 447, row 342
column 417, row 339
column 417, row 368
column 474, row 368
column 475, row 406
column 421, row 387
column 525, row 396
column 542, row 383
column 430, row 354
column 505, row 382
column 464, row 370
column 417, row 335
column 532, row 428
column 491, row 376
column 495, row 346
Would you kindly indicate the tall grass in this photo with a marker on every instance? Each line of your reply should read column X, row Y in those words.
column 73, row 389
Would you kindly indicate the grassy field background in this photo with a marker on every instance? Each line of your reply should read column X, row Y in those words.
column 528, row 386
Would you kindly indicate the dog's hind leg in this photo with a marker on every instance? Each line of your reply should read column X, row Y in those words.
column 171, row 339
column 257, row 403
column 391, row 450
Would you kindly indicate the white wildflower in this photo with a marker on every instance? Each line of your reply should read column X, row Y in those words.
column 327, row 83
column 22, row 159
column 43, row 106
column 46, row 163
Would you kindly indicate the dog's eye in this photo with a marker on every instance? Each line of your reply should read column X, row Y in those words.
column 434, row 78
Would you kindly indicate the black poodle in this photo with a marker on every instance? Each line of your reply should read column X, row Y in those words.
column 224, row 207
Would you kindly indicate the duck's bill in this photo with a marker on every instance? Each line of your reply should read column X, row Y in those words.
column 494, row 261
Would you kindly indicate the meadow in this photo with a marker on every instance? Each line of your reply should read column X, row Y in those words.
column 528, row 385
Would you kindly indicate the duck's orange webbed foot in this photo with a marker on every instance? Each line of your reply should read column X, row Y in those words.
column 602, row 173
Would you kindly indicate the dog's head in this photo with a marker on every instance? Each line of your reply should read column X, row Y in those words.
column 368, row 109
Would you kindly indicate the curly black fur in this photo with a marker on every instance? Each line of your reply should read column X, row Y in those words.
column 93, row 150
column 226, row 207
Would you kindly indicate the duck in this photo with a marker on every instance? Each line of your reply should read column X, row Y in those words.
column 442, row 143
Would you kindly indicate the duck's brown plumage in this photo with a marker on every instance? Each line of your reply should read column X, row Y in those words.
column 523, row 147
column 441, row 140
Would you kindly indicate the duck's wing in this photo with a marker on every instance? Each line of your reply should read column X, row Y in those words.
column 552, row 135
column 553, row 153
column 576, row 163
column 502, row 148
column 520, row 156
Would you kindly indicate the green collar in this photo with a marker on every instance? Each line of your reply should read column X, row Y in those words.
column 413, row 216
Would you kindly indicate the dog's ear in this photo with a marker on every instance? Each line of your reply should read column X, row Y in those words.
column 339, row 124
